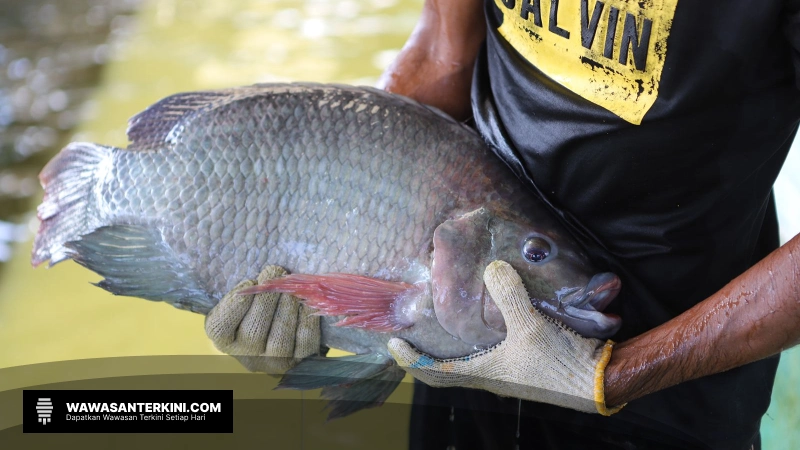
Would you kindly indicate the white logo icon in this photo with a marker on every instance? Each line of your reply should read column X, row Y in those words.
column 44, row 407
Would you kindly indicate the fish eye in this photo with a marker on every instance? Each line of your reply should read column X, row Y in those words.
column 536, row 249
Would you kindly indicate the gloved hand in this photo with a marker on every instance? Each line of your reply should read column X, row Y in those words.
column 268, row 332
column 540, row 360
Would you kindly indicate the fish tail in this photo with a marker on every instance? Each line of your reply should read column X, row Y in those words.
column 69, row 208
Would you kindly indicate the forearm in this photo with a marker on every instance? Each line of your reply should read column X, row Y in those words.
column 754, row 316
column 435, row 66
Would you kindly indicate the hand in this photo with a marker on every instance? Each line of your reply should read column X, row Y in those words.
column 435, row 66
column 268, row 332
column 540, row 359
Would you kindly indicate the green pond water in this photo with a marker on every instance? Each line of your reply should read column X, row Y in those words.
column 171, row 46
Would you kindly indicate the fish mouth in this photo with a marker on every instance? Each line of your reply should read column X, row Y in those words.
column 581, row 308
column 595, row 296
column 578, row 308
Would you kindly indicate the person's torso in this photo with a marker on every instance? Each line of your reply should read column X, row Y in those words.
column 677, row 200
column 656, row 130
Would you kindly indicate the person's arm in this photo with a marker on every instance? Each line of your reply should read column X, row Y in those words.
column 435, row 66
column 754, row 316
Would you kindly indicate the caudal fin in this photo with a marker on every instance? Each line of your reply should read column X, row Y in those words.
column 68, row 210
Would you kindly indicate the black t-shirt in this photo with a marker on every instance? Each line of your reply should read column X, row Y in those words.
column 655, row 129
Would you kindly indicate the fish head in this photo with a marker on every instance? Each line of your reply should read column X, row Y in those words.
column 557, row 275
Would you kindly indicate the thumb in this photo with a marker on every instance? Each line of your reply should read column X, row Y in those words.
column 436, row 372
column 509, row 294
column 408, row 357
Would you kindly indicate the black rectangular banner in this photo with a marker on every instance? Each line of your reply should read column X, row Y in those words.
column 121, row 411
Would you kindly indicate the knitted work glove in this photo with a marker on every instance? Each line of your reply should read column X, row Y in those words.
column 540, row 360
column 268, row 332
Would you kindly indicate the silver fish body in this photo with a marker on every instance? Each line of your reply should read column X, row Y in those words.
column 317, row 179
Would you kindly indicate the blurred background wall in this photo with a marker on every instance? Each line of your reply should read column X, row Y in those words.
column 78, row 69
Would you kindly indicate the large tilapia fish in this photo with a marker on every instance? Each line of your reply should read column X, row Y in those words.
column 398, row 204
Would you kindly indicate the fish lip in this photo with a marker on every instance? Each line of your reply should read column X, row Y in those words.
column 582, row 308
column 601, row 290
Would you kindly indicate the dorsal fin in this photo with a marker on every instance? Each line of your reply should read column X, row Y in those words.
column 153, row 127
column 162, row 123
column 411, row 101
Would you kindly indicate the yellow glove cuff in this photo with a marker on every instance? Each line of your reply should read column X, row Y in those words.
column 599, row 382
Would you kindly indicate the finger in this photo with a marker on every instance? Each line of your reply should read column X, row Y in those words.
column 270, row 272
column 252, row 335
column 308, row 333
column 509, row 294
column 436, row 372
column 280, row 342
column 223, row 321
column 251, row 338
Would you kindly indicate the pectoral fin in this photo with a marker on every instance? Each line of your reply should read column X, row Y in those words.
column 367, row 302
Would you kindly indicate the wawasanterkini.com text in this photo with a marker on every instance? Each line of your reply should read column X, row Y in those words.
column 142, row 407
column 140, row 411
